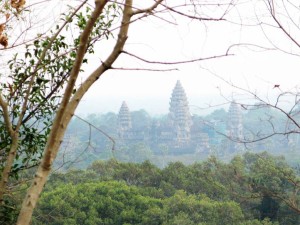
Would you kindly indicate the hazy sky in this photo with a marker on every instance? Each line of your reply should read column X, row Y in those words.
column 153, row 39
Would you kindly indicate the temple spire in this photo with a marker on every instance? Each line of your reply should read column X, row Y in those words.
column 124, row 120
column 234, row 125
column 180, row 113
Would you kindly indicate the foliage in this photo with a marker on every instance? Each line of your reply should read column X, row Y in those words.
column 145, row 174
column 117, row 203
column 141, row 120
column 45, row 77
column 201, row 209
column 34, row 85
column 252, row 189
column 100, row 203
column 42, row 101
column 136, row 153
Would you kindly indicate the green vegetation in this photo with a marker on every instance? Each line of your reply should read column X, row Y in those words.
column 256, row 189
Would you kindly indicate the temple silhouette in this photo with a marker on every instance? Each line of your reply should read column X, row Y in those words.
column 179, row 133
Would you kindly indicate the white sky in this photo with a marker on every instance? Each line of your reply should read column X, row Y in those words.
column 156, row 40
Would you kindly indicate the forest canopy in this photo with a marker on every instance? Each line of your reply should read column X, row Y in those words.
column 253, row 189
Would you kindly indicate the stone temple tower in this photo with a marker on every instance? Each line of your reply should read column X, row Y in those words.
column 180, row 114
column 124, row 121
column 234, row 124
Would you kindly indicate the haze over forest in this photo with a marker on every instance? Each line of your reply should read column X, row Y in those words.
column 179, row 135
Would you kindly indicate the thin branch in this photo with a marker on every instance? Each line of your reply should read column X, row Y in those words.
column 176, row 62
column 37, row 107
column 101, row 131
column 147, row 10
column 285, row 31
column 145, row 69
column 193, row 17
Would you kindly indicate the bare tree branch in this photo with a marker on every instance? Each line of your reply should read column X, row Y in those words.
column 177, row 62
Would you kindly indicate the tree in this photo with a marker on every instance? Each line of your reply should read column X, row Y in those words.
column 102, row 203
column 241, row 188
column 87, row 203
column 271, row 184
column 42, row 91
column 138, row 152
column 201, row 209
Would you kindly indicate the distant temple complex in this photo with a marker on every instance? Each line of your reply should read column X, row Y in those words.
column 178, row 133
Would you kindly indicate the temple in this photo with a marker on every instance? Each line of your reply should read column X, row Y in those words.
column 234, row 124
column 180, row 132
column 180, row 116
column 234, row 127
column 124, row 122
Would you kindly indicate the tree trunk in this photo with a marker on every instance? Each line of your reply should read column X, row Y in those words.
column 60, row 123
column 8, row 165
column 67, row 109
